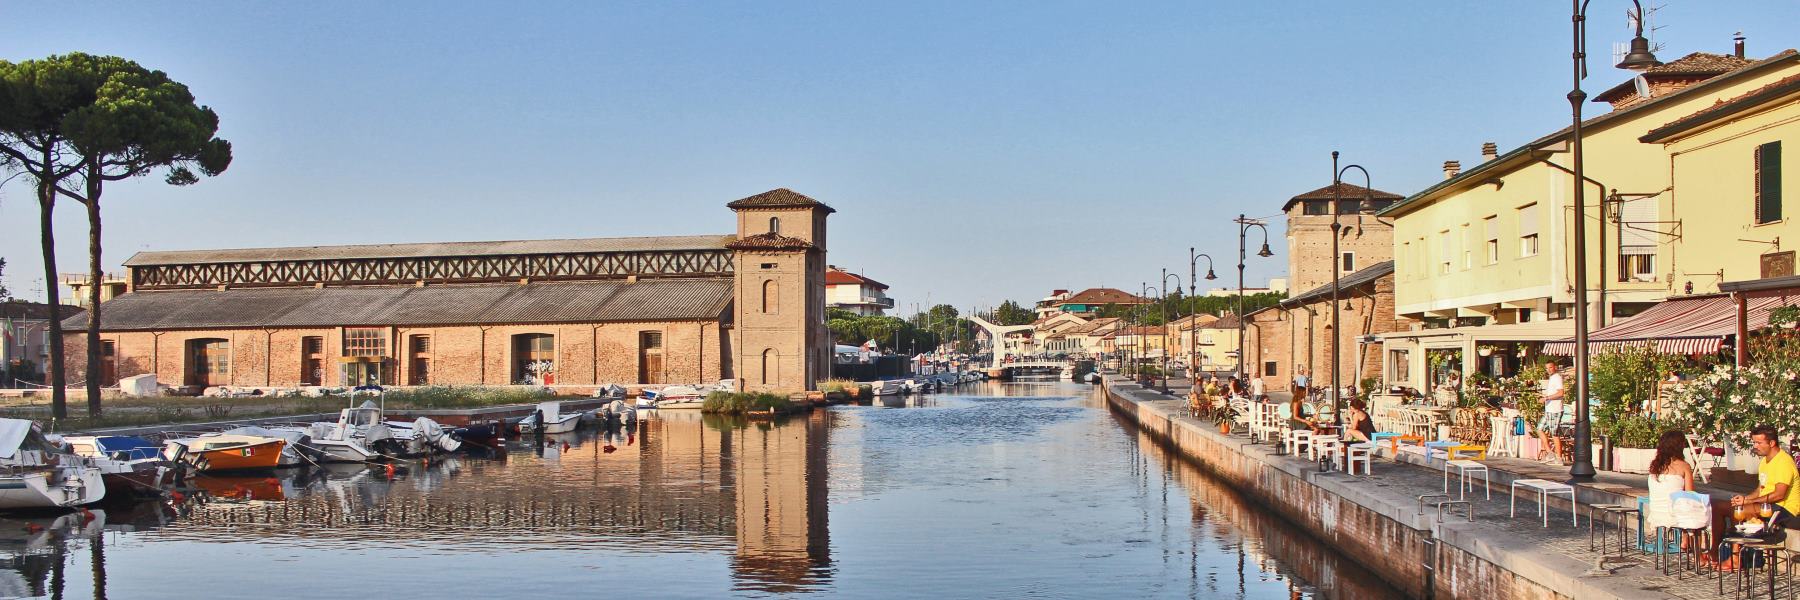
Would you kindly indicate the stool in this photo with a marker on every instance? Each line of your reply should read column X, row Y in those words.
column 1323, row 446
column 1296, row 439
column 1444, row 445
column 1544, row 488
column 1610, row 510
column 1465, row 469
column 1479, row 451
column 1355, row 453
column 1395, row 441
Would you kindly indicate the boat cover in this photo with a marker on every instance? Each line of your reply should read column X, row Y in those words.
column 550, row 410
column 12, row 434
column 135, row 448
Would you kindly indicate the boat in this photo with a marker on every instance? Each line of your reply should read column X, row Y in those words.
column 886, row 387
column 611, row 391
column 553, row 419
column 353, row 437
column 130, row 466
column 617, row 414
column 1068, row 373
column 298, row 450
column 226, row 452
column 38, row 474
column 676, row 397
column 424, row 436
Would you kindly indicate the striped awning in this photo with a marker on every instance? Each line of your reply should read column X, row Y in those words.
column 1688, row 326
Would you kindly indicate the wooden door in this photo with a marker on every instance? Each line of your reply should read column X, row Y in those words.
column 650, row 358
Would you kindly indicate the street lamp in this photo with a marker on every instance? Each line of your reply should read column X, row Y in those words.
column 1137, row 336
column 1244, row 224
column 1337, row 269
column 1194, row 329
column 1165, row 324
column 1639, row 58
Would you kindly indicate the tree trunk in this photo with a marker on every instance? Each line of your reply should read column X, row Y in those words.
column 94, row 368
column 59, row 401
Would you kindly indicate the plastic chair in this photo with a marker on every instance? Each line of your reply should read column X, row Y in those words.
column 1359, row 452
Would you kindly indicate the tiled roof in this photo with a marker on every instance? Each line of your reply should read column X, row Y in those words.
column 1724, row 108
column 1698, row 64
column 584, row 302
column 1229, row 321
column 432, row 249
column 1347, row 282
column 1516, row 156
column 1346, row 191
column 1094, row 325
column 839, row 277
column 1102, row 296
column 779, row 198
column 1187, row 322
column 20, row 310
column 769, row 241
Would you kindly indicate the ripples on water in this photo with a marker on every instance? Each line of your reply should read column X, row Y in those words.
column 1007, row 490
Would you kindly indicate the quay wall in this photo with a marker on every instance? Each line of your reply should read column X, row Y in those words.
column 1411, row 551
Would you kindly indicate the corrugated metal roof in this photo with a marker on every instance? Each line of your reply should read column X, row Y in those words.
column 582, row 302
column 433, row 249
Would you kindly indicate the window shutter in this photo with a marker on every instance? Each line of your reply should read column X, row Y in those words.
column 1528, row 223
column 1768, row 182
column 1637, row 225
column 1493, row 228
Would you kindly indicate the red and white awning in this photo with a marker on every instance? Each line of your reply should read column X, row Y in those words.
column 1693, row 325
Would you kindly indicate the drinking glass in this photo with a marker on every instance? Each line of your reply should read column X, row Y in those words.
column 1766, row 510
column 1740, row 513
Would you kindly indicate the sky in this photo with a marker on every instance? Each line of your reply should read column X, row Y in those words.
column 975, row 151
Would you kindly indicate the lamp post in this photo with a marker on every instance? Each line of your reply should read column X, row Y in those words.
column 1638, row 58
column 1244, row 224
column 1337, row 270
column 1165, row 324
column 1137, row 336
column 1194, row 328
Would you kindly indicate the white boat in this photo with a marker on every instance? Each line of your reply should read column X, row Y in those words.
column 676, row 397
column 359, row 435
column 36, row 474
column 886, row 387
column 130, row 466
column 424, row 436
column 554, row 420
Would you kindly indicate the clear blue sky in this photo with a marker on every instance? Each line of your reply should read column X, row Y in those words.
column 975, row 151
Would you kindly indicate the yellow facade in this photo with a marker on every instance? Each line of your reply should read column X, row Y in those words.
column 1218, row 348
column 1715, row 169
column 1462, row 247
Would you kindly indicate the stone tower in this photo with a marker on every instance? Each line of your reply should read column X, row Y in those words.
column 782, row 344
column 1365, row 242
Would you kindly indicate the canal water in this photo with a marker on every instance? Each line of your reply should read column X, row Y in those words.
column 1014, row 490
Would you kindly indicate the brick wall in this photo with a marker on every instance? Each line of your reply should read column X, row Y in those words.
column 1300, row 336
column 1309, row 247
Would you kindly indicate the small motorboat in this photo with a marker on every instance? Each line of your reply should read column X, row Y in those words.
column 611, row 391
column 226, row 452
column 39, row 474
column 130, row 466
column 489, row 434
column 552, row 417
column 675, row 397
column 617, row 414
column 424, row 436
column 298, row 450
column 887, row 387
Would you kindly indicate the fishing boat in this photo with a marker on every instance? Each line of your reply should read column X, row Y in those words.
column 675, row 397
column 130, row 466
column 552, row 418
column 37, row 474
column 226, row 452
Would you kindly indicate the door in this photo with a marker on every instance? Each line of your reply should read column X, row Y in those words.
column 650, row 358
column 109, row 364
column 209, row 362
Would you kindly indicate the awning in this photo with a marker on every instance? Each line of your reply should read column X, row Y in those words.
column 1692, row 325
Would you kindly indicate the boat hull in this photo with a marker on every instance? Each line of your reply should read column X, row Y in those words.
column 265, row 455
column 75, row 486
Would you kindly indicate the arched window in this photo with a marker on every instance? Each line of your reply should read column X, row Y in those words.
column 771, row 297
column 774, row 224
column 771, row 366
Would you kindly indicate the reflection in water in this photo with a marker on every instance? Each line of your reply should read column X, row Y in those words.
column 1024, row 490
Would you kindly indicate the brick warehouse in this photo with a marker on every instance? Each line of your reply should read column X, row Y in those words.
column 577, row 312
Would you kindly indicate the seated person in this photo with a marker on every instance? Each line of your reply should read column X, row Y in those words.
column 1357, row 424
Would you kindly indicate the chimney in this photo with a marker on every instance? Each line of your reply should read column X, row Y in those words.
column 1737, row 44
column 1451, row 168
column 1489, row 152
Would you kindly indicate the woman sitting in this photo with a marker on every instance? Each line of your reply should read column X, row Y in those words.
column 1357, row 424
column 1669, row 473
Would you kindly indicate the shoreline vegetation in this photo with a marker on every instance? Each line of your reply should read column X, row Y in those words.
column 181, row 410
column 749, row 403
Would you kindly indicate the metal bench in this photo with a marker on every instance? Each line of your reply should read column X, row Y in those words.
column 1545, row 489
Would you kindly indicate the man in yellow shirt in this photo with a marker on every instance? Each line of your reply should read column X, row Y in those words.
column 1778, row 483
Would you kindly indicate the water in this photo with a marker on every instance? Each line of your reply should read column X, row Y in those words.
column 1011, row 490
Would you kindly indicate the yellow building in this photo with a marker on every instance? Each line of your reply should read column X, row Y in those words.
column 1484, row 260
column 1218, row 344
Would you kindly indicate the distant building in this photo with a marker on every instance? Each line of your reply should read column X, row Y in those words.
column 111, row 286
column 25, row 341
column 1091, row 300
column 575, row 312
column 856, row 293
column 1276, row 285
column 1047, row 306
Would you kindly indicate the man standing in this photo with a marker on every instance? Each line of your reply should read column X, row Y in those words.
column 1550, row 424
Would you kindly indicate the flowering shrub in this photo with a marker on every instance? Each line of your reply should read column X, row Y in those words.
column 1720, row 405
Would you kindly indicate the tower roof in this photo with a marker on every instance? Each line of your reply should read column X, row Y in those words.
column 1345, row 191
column 779, row 198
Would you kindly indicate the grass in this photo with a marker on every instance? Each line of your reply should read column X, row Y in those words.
column 176, row 410
column 737, row 403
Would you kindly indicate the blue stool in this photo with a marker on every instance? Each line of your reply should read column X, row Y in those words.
column 1444, row 445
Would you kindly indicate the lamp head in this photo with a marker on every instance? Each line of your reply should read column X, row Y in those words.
column 1209, row 274
column 1640, row 57
column 1265, row 252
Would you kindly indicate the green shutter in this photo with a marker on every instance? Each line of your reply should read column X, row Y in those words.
column 1768, row 182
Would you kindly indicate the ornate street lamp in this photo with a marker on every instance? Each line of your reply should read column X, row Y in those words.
column 1165, row 324
column 1193, row 329
column 1639, row 58
column 1244, row 225
column 1337, row 269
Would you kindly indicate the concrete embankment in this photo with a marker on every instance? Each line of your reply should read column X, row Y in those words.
column 1376, row 520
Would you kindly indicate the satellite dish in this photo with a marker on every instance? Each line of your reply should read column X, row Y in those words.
column 1643, row 87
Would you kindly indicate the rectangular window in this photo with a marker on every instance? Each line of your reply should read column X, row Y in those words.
column 1401, row 364
column 1349, row 262
column 312, row 360
column 1768, row 182
column 420, row 371
column 1528, row 230
column 1349, row 207
column 1468, row 248
column 1269, row 368
column 365, row 341
column 1404, row 262
column 1443, row 251
column 1491, row 226
column 1377, row 205
column 1637, row 240
column 1316, row 207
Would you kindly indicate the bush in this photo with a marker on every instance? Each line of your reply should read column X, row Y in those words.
column 444, row 396
column 743, row 402
column 1633, row 431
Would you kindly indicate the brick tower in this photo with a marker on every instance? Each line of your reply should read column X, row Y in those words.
column 782, row 344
